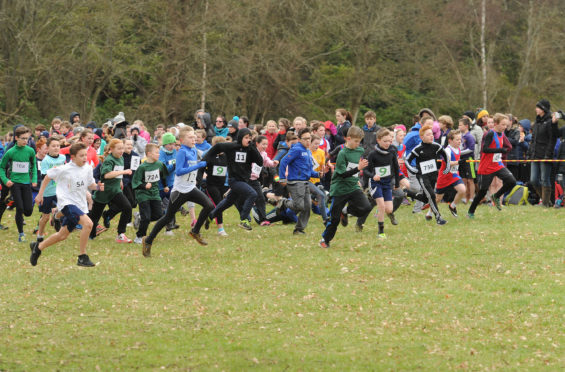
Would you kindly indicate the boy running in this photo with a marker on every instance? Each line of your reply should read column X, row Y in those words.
column 344, row 188
column 73, row 181
column 426, row 155
column 145, row 184
column 52, row 159
column 298, row 164
column 184, row 189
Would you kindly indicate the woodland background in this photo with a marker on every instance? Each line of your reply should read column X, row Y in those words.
column 161, row 60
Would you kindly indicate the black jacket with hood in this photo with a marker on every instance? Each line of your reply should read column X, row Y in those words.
column 239, row 158
column 544, row 137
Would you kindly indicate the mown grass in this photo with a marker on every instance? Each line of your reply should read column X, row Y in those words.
column 479, row 294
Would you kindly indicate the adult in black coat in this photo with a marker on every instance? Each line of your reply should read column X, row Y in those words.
column 544, row 136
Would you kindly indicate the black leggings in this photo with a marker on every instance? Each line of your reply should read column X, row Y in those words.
column 149, row 210
column 427, row 182
column 21, row 193
column 177, row 200
column 216, row 194
column 119, row 202
column 260, row 201
column 357, row 205
column 3, row 196
column 508, row 183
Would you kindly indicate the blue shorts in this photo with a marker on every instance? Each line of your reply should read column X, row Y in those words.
column 381, row 190
column 49, row 202
column 71, row 217
column 447, row 188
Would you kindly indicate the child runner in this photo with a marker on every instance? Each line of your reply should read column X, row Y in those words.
column 491, row 165
column 426, row 155
column 184, row 189
column 466, row 169
column 319, row 165
column 384, row 174
column 261, row 143
column 145, row 183
column 298, row 163
column 111, row 174
column 451, row 180
column 344, row 188
column 167, row 156
column 52, row 159
column 19, row 164
column 73, row 181
column 216, row 172
column 240, row 155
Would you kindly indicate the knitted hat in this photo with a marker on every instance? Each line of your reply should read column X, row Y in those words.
column 544, row 105
column 45, row 134
column 469, row 114
column 168, row 138
column 400, row 127
column 481, row 113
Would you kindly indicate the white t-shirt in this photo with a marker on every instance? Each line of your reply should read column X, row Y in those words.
column 72, row 184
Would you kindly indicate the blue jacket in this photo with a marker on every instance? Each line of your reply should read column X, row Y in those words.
column 185, row 155
column 299, row 163
column 169, row 159
column 204, row 146
column 412, row 140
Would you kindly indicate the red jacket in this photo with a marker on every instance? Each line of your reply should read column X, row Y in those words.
column 271, row 150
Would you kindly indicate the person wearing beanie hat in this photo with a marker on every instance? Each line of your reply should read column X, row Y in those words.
column 233, row 126
column 544, row 137
column 544, row 105
column 482, row 117
column 167, row 156
column 240, row 156
column 168, row 138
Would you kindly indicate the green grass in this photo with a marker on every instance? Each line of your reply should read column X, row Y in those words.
column 478, row 294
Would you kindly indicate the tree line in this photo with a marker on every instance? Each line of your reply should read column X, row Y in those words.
column 161, row 60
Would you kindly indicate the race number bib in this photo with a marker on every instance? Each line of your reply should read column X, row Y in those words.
column 152, row 176
column 383, row 171
column 240, row 157
column 219, row 171
column 454, row 169
column 496, row 158
column 119, row 168
column 428, row 166
column 315, row 164
column 256, row 170
column 353, row 166
column 135, row 161
column 190, row 177
column 20, row 167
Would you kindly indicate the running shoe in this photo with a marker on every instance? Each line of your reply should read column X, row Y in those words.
column 244, row 224
column 323, row 244
column 35, row 253
column 84, row 260
column 145, row 247
column 453, row 210
column 198, row 238
column 122, row 238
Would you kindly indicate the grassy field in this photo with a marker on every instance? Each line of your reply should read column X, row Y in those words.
column 480, row 294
